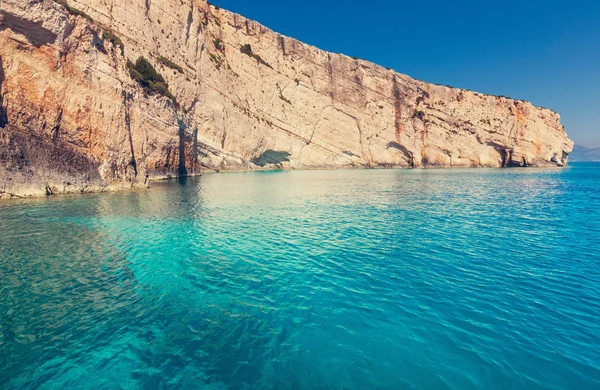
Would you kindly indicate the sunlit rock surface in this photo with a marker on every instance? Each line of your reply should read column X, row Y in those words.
column 73, row 120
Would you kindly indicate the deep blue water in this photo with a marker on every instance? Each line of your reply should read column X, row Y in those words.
column 392, row 279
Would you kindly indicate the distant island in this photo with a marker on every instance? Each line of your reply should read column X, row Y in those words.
column 582, row 153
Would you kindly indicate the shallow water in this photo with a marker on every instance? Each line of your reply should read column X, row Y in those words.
column 428, row 279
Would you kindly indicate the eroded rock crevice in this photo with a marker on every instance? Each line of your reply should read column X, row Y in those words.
column 127, row 98
column 3, row 109
column 271, row 157
column 397, row 98
column 181, row 168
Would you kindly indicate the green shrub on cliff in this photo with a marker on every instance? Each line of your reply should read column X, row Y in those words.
column 137, row 76
column 147, row 71
column 74, row 11
column 419, row 114
column 170, row 64
column 153, row 83
column 247, row 50
column 115, row 40
column 112, row 38
column 106, row 35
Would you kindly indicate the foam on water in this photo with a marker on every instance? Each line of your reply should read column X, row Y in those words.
column 456, row 279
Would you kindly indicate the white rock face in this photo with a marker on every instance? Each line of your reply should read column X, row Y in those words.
column 76, row 121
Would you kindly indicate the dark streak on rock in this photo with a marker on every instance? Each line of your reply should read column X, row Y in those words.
column 3, row 113
column 223, row 139
column 126, row 100
column 409, row 155
column 190, row 19
column 398, row 110
column 330, row 71
column 56, row 128
column 195, row 150
column 282, row 44
column 505, row 154
column 181, row 170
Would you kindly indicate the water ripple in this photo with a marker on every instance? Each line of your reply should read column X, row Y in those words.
column 436, row 279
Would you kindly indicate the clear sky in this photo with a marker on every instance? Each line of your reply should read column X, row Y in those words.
column 547, row 52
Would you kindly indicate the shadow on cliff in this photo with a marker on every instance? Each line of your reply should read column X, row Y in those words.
column 3, row 113
column 407, row 153
column 35, row 33
column 181, row 169
column 271, row 157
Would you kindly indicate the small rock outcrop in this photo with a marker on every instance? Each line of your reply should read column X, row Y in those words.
column 76, row 115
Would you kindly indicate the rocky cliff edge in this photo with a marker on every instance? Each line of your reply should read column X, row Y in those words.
column 76, row 117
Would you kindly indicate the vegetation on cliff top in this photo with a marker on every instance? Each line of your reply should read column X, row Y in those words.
column 153, row 83
column 74, row 11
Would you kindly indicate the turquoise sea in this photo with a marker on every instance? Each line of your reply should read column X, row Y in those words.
column 357, row 279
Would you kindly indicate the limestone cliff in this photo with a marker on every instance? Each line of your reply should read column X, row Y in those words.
column 72, row 118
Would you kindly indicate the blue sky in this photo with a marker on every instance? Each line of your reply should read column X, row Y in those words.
column 547, row 52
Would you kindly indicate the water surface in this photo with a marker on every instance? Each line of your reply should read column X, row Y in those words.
column 396, row 279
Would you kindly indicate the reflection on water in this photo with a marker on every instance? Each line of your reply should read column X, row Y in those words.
column 329, row 279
